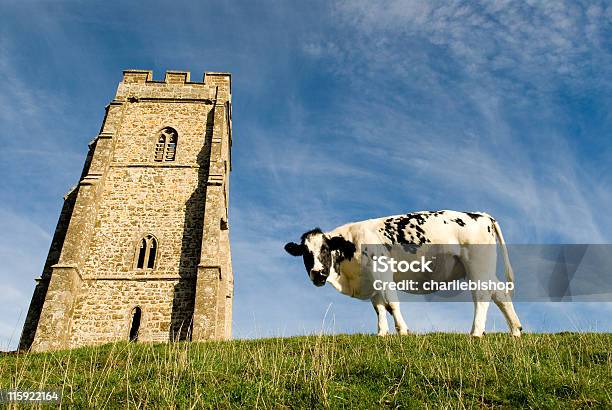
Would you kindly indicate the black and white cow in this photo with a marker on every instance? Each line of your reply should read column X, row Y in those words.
column 335, row 257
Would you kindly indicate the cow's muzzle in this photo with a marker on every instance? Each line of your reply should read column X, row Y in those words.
column 318, row 278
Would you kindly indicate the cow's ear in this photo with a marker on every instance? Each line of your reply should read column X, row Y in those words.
column 346, row 247
column 294, row 249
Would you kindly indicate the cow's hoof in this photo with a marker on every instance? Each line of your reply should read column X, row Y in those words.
column 382, row 334
column 403, row 332
column 517, row 332
column 477, row 335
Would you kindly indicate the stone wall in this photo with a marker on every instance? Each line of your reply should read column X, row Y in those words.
column 105, row 309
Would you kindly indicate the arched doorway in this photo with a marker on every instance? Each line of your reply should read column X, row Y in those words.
column 135, row 327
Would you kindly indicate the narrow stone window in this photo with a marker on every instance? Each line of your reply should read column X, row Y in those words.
column 147, row 252
column 152, row 253
column 165, row 148
column 141, row 253
column 159, row 148
column 171, row 148
column 135, row 327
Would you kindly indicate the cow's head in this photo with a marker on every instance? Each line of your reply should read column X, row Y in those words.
column 317, row 250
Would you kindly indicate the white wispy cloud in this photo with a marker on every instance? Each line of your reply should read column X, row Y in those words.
column 493, row 62
column 528, row 38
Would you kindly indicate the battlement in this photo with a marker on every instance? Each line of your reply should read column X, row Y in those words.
column 138, row 84
column 175, row 77
column 137, row 76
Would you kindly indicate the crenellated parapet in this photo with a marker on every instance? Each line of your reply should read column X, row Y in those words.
column 139, row 85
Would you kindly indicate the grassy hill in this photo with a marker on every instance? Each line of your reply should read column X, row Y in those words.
column 357, row 371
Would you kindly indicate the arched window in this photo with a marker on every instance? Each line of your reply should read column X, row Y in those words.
column 135, row 326
column 165, row 148
column 147, row 251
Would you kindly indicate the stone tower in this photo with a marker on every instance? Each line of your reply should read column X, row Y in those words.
column 141, row 249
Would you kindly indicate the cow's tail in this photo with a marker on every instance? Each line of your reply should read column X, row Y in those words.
column 502, row 244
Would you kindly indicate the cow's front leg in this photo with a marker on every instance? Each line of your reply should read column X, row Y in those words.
column 379, row 307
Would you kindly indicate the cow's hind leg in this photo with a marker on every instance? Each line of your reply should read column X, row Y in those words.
column 379, row 306
column 504, row 303
column 480, row 267
column 400, row 324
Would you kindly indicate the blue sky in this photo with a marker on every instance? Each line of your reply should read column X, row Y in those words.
column 343, row 111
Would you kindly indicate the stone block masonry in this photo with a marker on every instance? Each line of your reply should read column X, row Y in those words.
column 141, row 250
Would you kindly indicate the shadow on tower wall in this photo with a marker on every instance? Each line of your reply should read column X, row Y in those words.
column 183, row 301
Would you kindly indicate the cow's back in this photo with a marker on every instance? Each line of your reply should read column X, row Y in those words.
column 420, row 230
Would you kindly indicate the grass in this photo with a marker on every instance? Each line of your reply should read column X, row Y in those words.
column 345, row 371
